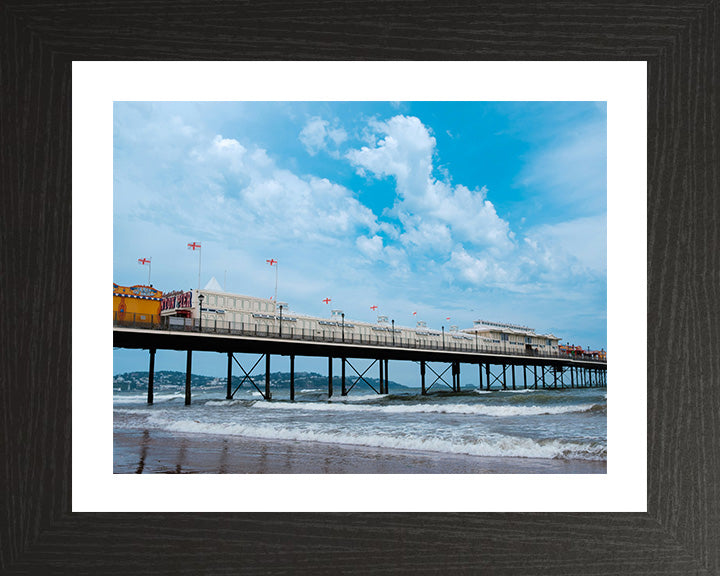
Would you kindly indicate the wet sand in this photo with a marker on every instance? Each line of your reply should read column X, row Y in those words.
column 153, row 451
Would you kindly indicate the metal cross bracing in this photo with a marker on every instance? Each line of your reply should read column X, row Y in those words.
column 361, row 376
column 265, row 394
column 551, row 376
column 492, row 378
column 439, row 377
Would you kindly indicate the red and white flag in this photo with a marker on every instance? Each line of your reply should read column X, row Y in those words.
column 272, row 261
column 143, row 261
column 194, row 246
column 327, row 300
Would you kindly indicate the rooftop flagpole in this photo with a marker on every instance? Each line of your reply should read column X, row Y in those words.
column 148, row 261
column 196, row 246
column 274, row 262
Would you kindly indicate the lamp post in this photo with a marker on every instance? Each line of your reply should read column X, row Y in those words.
column 343, row 326
column 393, row 331
column 200, row 299
column 281, row 320
column 443, row 337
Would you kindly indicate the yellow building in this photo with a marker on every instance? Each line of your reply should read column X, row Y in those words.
column 136, row 304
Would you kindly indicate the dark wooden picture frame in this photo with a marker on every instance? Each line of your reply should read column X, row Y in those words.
column 680, row 533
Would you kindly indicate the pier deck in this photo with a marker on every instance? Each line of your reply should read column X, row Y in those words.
column 582, row 371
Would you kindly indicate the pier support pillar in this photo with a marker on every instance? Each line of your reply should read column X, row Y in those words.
column 487, row 376
column 504, row 381
column 342, row 379
column 572, row 377
column 480, row 376
column 555, row 377
column 330, row 386
column 292, row 377
column 524, row 376
column 422, row 378
column 382, row 380
column 543, row 375
column 387, row 375
column 188, row 371
column 535, row 376
column 268, row 395
column 228, row 395
column 151, row 376
column 513, row 375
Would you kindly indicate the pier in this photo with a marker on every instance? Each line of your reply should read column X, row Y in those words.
column 497, row 368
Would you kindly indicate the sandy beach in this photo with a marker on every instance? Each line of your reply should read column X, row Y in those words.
column 153, row 451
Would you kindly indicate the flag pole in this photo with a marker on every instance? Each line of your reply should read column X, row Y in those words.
column 276, row 281
column 149, row 270
column 199, row 264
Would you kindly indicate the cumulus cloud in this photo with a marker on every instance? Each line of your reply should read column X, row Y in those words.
column 478, row 270
column 317, row 134
column 243, row 188
column 577, row 245
column 434, row 214
column 374, row 250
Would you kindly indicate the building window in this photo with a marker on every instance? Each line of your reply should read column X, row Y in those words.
column 504, row 337
column 548, row 342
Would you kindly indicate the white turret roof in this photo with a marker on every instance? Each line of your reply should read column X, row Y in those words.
column 213, row 285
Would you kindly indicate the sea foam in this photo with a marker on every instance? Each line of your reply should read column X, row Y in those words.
column 478, row 409
column 489, row 445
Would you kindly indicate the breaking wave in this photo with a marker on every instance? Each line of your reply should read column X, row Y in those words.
column 490, row 445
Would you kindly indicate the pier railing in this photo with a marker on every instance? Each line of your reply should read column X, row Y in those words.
column 449, row 341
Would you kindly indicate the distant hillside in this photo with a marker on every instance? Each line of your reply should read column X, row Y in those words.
column 303, row 381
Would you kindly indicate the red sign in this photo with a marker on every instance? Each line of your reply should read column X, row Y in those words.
column 182, row 300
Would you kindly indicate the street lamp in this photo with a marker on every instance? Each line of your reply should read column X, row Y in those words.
column 343, row 326
column 200, row 299
column 281, row 307
column 393, row 331
column 443, row 337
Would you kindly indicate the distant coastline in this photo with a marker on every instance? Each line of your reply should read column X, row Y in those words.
column 130, row 381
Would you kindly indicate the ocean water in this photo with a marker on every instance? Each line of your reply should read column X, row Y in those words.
column 568, row 424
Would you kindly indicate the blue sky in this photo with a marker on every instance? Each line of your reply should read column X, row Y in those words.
column 467, row 210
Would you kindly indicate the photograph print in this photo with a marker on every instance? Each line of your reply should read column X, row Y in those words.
column 360, row 287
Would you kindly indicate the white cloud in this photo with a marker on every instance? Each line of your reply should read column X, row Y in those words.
column 374, row 250
column 478, row 270
column 370, row 247
column 238, row 190
column 317, row 133
column 578, row 245
column 434, row 215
